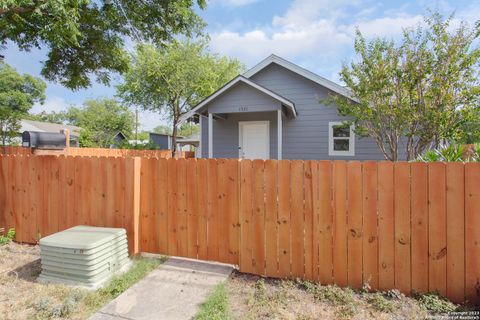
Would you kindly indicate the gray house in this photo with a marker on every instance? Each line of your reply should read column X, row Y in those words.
column 162, row 141
column 274, row 111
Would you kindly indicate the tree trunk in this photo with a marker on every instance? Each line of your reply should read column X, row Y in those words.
column 174, row 136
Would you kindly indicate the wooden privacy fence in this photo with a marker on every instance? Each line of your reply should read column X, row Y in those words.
column 411, row 226
column 98, row 152
column 41, row 195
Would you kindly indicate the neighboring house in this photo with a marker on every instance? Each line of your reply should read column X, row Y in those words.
column 275, row 111
column 118, row 139
column 161, row 140
column 41, row 126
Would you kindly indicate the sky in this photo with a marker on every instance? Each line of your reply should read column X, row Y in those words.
column 315, row 34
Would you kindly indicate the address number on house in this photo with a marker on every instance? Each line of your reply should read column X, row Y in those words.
column 242, row 109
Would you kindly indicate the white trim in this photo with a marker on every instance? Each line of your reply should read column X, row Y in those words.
column 279, row 134
column 240, row 136
column 210, row 135
column 200, row 139
column 351, row 140
column 301, row 71
column 272, row 94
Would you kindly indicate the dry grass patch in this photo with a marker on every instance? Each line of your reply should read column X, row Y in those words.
column 253, row 297
column 21, row 297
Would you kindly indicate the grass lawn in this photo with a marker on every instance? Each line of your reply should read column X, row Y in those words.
column 21, row 297
column 216, row 306
column 251, row 297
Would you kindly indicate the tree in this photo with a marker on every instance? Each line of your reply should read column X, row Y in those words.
column 162, row 129
column 52, row 117
column 416, row 93
column 186, row 129
column 18, row 93
column 86, row 37
column 470, row 130
column 172, row 79
column 101, row 120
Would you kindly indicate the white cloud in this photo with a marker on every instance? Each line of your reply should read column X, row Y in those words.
column 321, row 29
column 319, row 38
column 387, row 26
column 304, row 12
column 52, row 104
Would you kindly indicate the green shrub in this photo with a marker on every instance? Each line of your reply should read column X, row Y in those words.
column 334, row 295
column 451, row 153
column 435, row 303
column 7, row 238
column 380, row 303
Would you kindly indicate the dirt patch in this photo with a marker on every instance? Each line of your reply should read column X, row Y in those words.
column 21, row 297
column 253, row 297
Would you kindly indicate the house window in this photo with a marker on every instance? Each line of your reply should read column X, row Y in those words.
column 341, row 139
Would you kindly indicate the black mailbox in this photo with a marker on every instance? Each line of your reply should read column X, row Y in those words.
column 43, row 140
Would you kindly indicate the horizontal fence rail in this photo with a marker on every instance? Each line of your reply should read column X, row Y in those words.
column 98, row 152
column 410, row 226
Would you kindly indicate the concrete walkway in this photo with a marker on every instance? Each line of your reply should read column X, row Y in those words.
column 175, row 290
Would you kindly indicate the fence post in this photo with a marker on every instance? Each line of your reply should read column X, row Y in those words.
column 132, row 194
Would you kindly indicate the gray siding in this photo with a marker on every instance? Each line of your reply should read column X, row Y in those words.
column 304, row 137
column 160, row 140
column 225, row 133
column 243, row 98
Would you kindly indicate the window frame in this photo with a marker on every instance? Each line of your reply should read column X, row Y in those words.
column 351, row 140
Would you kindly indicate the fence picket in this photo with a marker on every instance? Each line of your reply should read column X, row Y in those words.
column 437, row 265
column 192, row 209
column 455, row 187
column 419, row 216
column 325, row 222
column 284, row 219
column 386, row 230
column 354, row 224
column 472, row 232
column 233, row 222
column 370, row 231
column 308, row 220
column 271, row 218
column 258, row 245
column 402, row 226
column 340, row 256
column 172, row 207
column 246, row 216
column 4, row 212
column 202, row 190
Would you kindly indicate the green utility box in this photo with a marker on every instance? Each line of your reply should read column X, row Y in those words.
column 84, row 256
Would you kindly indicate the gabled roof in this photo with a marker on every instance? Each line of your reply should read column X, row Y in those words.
column 230, row 84
column 42, row 126
column 298, row 70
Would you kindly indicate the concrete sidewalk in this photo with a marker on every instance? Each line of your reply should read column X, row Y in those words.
column 175, row 290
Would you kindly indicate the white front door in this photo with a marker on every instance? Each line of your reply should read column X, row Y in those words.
column 254, row 139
